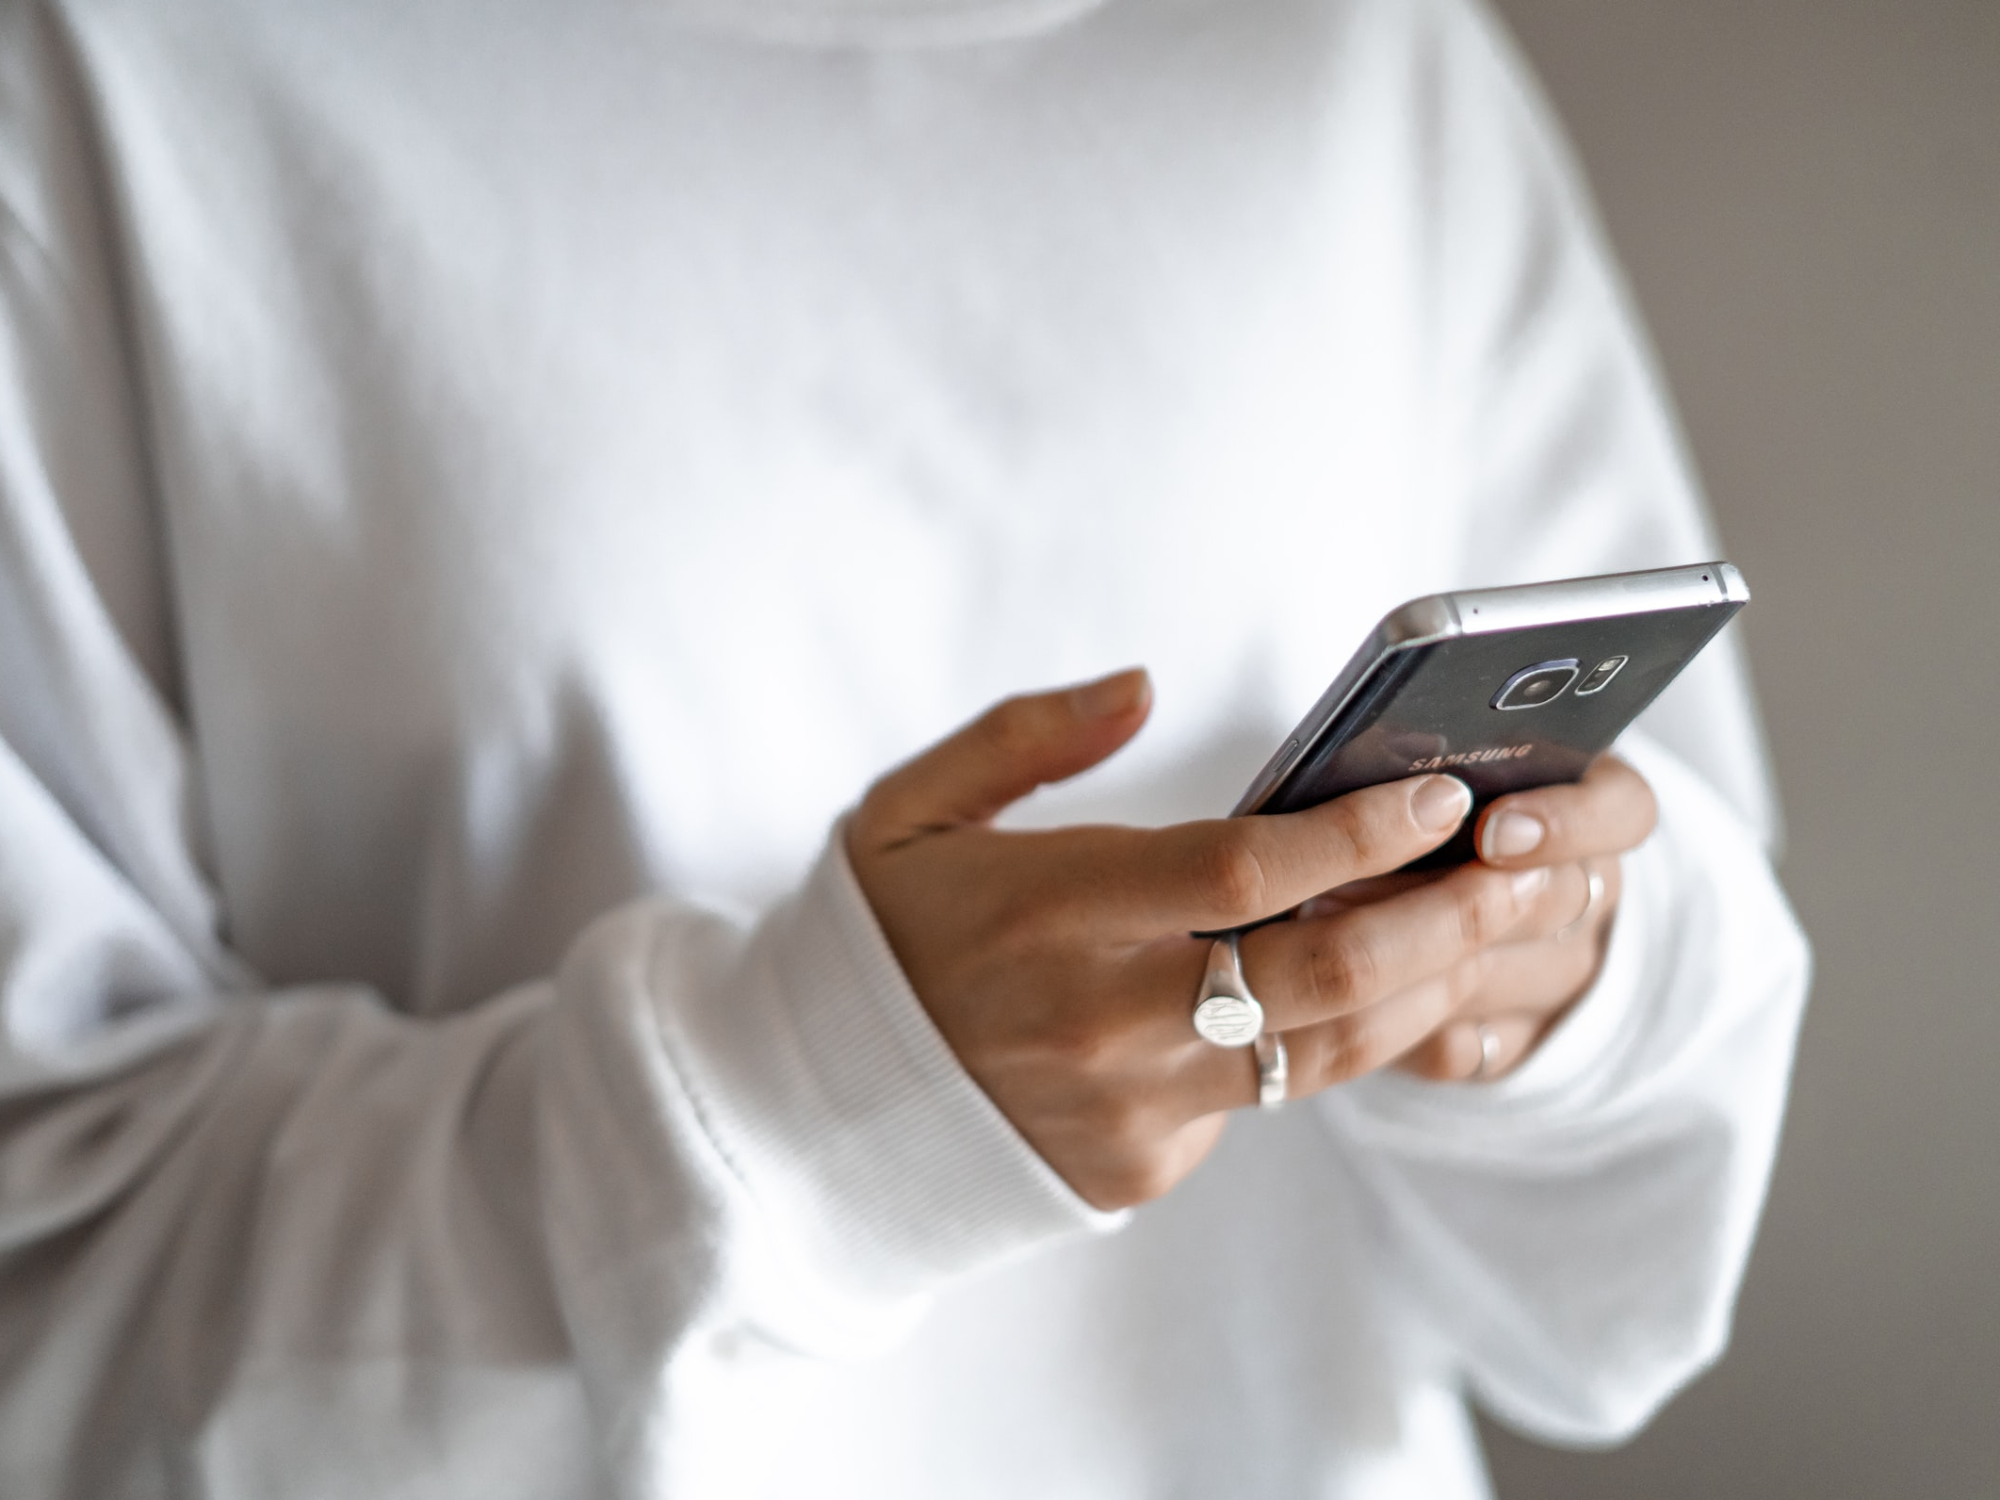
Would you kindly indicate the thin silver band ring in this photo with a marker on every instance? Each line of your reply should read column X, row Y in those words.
column 1273, row 1070
column 1593, row 893
column 1489, row 1050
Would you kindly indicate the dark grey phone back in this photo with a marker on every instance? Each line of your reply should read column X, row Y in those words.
column 1503, row 688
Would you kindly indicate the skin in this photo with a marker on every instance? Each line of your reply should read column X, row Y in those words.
column 1060, row 968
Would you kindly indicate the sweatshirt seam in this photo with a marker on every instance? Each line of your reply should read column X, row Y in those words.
column 675, row 1049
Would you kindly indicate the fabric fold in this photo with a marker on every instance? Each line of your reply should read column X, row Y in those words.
column 829, row 1091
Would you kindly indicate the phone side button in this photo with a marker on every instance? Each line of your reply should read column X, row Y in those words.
column 1267, row 778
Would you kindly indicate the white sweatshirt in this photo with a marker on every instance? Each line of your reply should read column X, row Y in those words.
column 483, row 486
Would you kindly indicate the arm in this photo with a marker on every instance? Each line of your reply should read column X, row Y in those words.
column 1576, row 1232
column 249, row 1229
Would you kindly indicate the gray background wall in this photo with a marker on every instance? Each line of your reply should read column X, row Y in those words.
column 1806, row 194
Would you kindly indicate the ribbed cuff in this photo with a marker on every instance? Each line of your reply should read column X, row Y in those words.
column 829, row 1091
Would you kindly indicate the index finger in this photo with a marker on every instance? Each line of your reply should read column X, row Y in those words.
column 1609, row 811
column 1232, row 872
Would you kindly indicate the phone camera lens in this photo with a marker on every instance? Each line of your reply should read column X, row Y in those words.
column 1531, row 687
column 1598, row 678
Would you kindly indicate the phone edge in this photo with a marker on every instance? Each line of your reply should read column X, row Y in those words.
column 1602, row 596
column 1436, row 617
column 1420, row 622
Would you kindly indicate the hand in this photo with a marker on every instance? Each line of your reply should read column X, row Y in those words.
column 1518, row 990
column 1058, row 965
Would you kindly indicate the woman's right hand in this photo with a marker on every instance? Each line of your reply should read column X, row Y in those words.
column 1059, row 965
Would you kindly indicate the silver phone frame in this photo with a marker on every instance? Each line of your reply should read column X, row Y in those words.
column 1468, row 612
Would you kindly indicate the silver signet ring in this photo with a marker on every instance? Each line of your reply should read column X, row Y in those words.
column 1225, row 1012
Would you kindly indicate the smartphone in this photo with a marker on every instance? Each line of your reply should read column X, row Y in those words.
column 1505, row 689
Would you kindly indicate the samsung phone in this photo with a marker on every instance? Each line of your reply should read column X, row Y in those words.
column 1503, row 688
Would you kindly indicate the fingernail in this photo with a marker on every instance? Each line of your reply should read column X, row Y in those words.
column 1440, row 803
column 1528, row 884
column 1508, row 834
column 1119, row 693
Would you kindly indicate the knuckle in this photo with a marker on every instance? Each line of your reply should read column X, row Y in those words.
column 1484, row 910
column 1231, row 877
column 1342, row 969
column 1465, row 979
column 1359, row 838
column 1012, row 727
column 1342, row 1052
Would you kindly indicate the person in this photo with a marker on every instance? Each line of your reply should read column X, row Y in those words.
column 484, row 497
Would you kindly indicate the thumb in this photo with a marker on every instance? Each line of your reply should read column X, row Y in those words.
column 1015, row 746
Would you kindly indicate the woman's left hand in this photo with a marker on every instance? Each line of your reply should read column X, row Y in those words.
column 1511, row 995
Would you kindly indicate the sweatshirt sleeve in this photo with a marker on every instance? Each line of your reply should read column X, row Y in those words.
column 258, row 1240
column 1574, row 1235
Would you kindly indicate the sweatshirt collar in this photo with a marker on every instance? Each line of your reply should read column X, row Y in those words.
column 879, row 23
